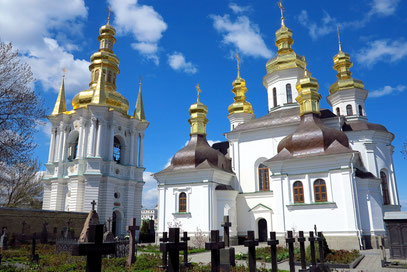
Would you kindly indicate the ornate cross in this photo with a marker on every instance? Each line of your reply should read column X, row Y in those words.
column 280, row 5
column 251, row 243
column 93, row 203
column 108, row 16
column 198, row 91
column 339, row 38
column 238, row 64
column 226, row 225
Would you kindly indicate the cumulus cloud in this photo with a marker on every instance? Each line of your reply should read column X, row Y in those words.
column 150, row 192
column 382, row 50
column 239, row 9
column 328, row 23
column 39, row 31
column 242, row 34
column 177, row 62
column 143, row 22
column 387, row 90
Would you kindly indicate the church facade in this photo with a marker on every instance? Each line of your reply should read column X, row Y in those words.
column 299, row 167
column 96, row 149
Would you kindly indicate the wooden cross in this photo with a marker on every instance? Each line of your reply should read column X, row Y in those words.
column 93, row 203
column 185, row 239
column 290, row 241
column 198, row 91
column 173, row 246
column 94, row 250
column 132, row 241
column 164, row 240
column 273, row 242
column 251, row 243
column 214, row 246
column 238, row 64
column 226, row 225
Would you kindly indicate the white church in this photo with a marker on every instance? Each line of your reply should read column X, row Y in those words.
column 96, row 149
column 295, row 168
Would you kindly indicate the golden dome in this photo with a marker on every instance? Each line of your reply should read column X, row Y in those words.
column 198, row 119
column 308, row 96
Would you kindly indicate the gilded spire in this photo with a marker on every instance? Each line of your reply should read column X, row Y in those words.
column 198, row 118
column 239, row 89
column 308, row 96
column 198, row 90
column 108, row 16
column 342, row 65
column 139, row 109
column 286, row 57
column 99, row 95
column 60, row 104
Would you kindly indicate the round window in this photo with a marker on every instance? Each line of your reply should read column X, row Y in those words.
column 116, row 195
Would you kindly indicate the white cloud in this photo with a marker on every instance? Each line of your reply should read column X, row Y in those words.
column 386, row 90
column 239, row 9
column 315, row 30
column 242, row 34
column 143, row 22
column 383, row 7
column 382, row 50
column 150, row 192
column 38, row 29
column 46, row 129
column 177, row 62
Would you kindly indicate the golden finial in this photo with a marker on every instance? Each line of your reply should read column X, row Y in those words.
column 64, row 72
column 339, row 38
column 198, row 91
column 141, row 79
column 108, row 16
column 280, row 5
column 238, row 65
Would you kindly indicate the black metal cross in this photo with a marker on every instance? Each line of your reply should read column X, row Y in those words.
column 214, row 246
column 34, row 257
column 290, row 241
column 163, row 248
column 173, row 247
column 251, row 243
column 273, row 242
column 132, row 246
column 226, row 225
column 94, row 250
column 108, row 224
column 301, row 240
column 185, row 239
column 93, row 203
column 311, row 240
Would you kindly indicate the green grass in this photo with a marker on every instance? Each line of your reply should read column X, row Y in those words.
column 264, row 254
column 156, row 249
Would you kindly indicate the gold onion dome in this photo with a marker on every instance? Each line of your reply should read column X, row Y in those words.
column 239, row 89
column 308, row 96
column 103, row 57
column 342, row 65
column 198, row 119
column 286, row 57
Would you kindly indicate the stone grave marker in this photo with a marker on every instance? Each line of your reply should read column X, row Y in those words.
column 108, row 235
column 132, row 241
column 251, row 244
column 4, row 239
column 227, row 254
column 172, row 247
column 164, row 240
column 214, row 246
column 44, row 234
column 273, row 242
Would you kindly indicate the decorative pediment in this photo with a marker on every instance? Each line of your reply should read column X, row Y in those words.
column 260, row 208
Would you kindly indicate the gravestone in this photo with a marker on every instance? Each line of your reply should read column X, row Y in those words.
column 92, row 219
column 108, row 235
column 94, row 250
column 4, row 239
column 290, row 241
column 301, row 240
column 185, row 239
column 251, row 244
column 44, row 234
column 273, row 242
column 132, row 241
column 164, row 240
column 172, row 247
column 34, row 257
column 227, row 254
column 214, row 246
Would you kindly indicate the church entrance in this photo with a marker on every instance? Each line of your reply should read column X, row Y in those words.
column 262, row 230
column 116, row 220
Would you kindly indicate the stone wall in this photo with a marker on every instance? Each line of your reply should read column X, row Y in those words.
column 13, row 219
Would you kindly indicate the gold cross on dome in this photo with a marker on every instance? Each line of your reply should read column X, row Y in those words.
column 280, row 5
column 141, row 79
column 238, row 64
column 198, row 91
column 339, row 38
column 64, row 72
column 108, row 16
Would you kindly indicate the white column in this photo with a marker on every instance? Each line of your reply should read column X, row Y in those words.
column 140, row 154
column 99, row 143
column 64, row 144
column 136, row 147
column 52, row 145
column 110, row 143
column 60, row 137
column 91, row 137
column 81, row 139
column 131, row 153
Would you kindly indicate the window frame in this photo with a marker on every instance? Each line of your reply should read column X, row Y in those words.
column 349, row 110
column 289, row 93
column 385, row 188
column 182, row 202
column 298, row 192
column 320, row 191
column 360, row 110
column 274, row 97
column 263, row 178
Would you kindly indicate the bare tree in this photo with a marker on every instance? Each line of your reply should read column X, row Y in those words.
column 21, row 109
column 20, row 184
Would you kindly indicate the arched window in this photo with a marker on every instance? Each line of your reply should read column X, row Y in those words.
column 97, row 75
column 360, row 110
column 338, row 111
column 349, row 110
column 385, row 188
column 298, row 192
column 289, row 93
column 320, row 190
column 73, row 149
column 182, row 202
column 274, row 97
column 117, row 150
column 263, row 178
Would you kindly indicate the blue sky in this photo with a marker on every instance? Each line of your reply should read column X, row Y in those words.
column 174, row 45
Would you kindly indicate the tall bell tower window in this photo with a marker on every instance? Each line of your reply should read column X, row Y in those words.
column 385, row 188
column 360, row 110
column 264, row 184
column 274, row 97
column 338, row 111
column 349, row 111
column 117, row 150
column 73, row 149
column 289, row 93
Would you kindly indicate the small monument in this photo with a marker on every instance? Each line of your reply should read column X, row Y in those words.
column 4, row 239
column 108, row 235
column 227, row 254
column 92, row 219
column 132, row 242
